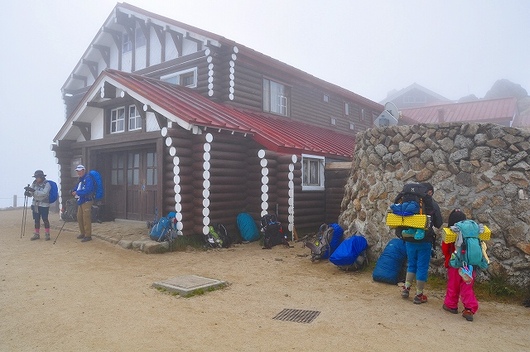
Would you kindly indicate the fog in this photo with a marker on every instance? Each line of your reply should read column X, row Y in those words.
column 454, row 48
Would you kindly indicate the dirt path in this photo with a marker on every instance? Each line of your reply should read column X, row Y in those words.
column 96, row 296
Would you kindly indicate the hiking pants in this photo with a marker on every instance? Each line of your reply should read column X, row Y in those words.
column 418, row 259
column 84, row 218
column 38, row 213
column 457, row 288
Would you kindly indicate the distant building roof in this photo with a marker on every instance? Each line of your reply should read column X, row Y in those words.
column 501, row 111
column 414, row 95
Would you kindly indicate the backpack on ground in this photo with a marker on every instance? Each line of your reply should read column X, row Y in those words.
column 328, row 239
column 69, row 210
column 391, row 265
column 54, row 191
column 469, row 248
column 407, row 214
column 247, row 227
column 218, row 237
column 99, row 190
column 350, row 255
column 164, row 229
column 272, row 230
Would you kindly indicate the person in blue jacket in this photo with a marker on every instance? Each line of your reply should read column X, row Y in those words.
column 84, row 193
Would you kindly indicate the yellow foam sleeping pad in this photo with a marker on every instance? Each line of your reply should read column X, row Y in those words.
column 416, row 221
column 449, row 236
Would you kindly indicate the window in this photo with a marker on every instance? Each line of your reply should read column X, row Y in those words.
column 346, row 109
column 186, row 78
column 333, row 121
column 312, row 173
column 133, row 169
column 117, row 120
column 326, row 98
column 352, row 126
column 135, row 120
column 275, row 98
column 126, row 45
column 139, row 37
column 151, row 169
column 117, row 172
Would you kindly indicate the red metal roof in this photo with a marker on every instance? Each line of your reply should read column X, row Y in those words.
column 273, row 132
column 493, row 111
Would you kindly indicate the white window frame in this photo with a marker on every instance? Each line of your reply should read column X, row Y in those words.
column 275, row 97
column 117, row 120
column 313, row 172
column 126, row 44
column 352, row 126
column 333, row 121
column 346, row 109
column 135, row 120
column 174, row 78
column 139, row 37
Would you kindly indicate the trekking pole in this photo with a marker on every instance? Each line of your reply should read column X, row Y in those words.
column 64, row 222
column 24, row 215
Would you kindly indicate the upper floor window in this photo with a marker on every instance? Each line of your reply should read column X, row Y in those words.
column 312, row 172
column 326, row 98
column 117, row 120
column 135, row 120
column 333, row 121
column 186, row 78
column 126, row 44
column 275, row 98
column 139, row 37
column 125, row 117
column 346, row 109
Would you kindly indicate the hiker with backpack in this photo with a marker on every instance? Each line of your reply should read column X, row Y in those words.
column 84, row 193
column 459, row 284
column 40, row 191
column 419, row 249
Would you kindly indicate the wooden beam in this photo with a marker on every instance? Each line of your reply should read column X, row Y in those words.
column 84, row 127
column 105, row 53
column 92, row 66
column 79, row 77
column 159, row 31
column 177, row 39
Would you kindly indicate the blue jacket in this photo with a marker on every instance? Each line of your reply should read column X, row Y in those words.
column 85, row 189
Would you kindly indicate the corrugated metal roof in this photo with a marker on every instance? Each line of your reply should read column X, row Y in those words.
column 494, row 111
column 192, row 109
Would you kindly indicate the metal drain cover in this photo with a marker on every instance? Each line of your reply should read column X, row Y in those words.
column 297, row 315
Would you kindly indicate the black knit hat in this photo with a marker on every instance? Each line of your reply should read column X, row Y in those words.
column 455, row 216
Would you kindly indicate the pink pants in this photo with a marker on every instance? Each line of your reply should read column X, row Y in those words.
column 457, row 288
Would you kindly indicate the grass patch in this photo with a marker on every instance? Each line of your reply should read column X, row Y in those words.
column 181, row 243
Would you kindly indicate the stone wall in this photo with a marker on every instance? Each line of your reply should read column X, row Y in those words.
column 483, row 169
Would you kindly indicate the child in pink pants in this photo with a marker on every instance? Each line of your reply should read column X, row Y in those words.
column 456, row 286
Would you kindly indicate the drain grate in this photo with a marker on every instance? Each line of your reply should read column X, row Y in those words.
column 297, row 315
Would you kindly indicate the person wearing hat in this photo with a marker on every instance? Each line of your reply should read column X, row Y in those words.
column 457, row 287
column 84, row 193
column 40, row 191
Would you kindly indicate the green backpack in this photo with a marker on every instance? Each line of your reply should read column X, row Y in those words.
column 470, row 250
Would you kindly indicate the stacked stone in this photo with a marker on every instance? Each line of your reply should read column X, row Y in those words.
column 483, row 169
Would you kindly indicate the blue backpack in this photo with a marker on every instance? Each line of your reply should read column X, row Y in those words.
column 247, row 227
column 164, row 228
column 470, row 250
column 99, row 191
column 351, row 253
column 54, row 191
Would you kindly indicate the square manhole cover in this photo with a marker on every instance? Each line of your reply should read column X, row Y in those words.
column 188, row 285
column 297, row 315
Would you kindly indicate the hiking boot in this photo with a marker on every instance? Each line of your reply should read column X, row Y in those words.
column 405, row 292
column 450, row 310
column 47, row 237
column 35, row 236
column 468, row 314
column 86, row 239
column 80, row 237
column 419, row 299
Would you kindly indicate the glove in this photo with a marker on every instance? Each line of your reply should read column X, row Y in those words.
column 29, row 189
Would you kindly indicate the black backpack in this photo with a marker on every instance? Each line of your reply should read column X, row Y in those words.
column 218, row 237
column 272, row 232
column 414, row 192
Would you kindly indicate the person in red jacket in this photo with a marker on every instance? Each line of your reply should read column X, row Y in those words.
column 457, row 288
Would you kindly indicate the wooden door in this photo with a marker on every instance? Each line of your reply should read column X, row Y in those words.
column 133, row 186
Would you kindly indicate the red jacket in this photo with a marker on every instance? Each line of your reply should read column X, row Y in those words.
column 447, row 250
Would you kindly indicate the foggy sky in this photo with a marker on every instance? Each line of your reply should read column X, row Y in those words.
column 454, row 48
